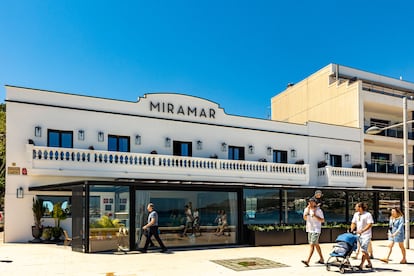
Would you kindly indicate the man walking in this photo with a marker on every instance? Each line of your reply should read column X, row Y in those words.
column 362, row 221
column 314, row 219
column 151, row 229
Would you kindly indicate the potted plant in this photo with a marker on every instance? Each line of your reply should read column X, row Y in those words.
column 103, row 234
column 322, row 164
column 38, row 211
column 58, row 214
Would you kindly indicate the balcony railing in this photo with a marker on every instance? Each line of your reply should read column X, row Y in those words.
column 342, row 177
column 385, row 166
column 394, row 133
column 94, row 163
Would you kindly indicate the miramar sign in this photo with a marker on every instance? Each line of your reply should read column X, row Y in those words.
column 183, row 110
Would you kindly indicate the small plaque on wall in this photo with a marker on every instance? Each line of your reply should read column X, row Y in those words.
column 13, row 170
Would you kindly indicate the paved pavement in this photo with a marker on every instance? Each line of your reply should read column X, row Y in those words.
column 50, row 259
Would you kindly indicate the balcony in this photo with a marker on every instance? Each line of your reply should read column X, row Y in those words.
column 393, row 133
column 342, row 177
column 386, row 166
column 93, row 163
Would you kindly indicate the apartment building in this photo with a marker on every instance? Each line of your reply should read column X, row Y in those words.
column 345, row 96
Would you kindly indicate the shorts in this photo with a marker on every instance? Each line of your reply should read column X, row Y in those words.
column 364, row 242
column 313, row 238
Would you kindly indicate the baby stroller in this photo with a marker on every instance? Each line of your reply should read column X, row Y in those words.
column 345, row 244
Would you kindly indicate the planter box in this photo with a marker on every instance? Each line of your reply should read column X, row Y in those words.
column 301, row 237
column 259, row 238
column 325, row 236
column 379, row 232
column 336, row 231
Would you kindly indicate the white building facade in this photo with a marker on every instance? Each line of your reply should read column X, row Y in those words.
column 106, row 159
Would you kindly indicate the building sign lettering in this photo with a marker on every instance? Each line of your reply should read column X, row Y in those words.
column 182, row 110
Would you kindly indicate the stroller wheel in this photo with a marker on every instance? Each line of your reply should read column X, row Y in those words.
column 328, row 267
column 342, row 269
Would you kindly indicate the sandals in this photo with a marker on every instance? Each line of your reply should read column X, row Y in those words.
column 384, row 260
column 305, row 263
column 403, row 262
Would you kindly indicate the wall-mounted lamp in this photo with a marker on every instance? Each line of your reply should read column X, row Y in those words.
column 251, row 149
column 167, row 142
column 347, row 157
column 137, row 139
column 293, row 153
column 100, row 136
column 269, row 150
column 38, row 131
column 326, row 156
column 81, row 135
column 199, row 145
column 223, row 146
column 19, row 192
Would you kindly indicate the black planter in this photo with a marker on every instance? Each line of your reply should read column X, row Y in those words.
column 259, row 238
column 301, row 237
column 379, row 232
column 412, row 231
column 325, row 236
column 36, row 233
column 336, row 231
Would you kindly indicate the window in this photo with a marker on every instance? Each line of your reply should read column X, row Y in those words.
column 50, row 201
column 280, row 156
column 118, row 143
column 335, row 160
column 182, row 148
column 60, row 138
column 261, row 206
column 382, row 162
column 236, row 153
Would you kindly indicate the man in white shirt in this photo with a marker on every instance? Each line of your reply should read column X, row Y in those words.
column 362, row 221
column 314, row 219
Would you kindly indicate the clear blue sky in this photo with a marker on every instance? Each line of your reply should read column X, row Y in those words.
column 234, row 52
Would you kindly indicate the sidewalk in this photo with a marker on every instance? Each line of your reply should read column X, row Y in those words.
column 51, row 259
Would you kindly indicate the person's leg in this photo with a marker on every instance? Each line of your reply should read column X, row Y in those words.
column 147, row 241
column 364, row 249
column 318, row 249
column 311, row 250
column 403, row 252
column 371, row 254
column 157, row 237
column 390, row 245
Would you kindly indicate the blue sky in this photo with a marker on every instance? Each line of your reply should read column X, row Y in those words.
column 234, row 52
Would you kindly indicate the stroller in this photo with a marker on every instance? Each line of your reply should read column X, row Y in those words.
column 339, row 257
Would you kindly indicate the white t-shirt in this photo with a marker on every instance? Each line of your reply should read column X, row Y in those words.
column 361, row 221
column 313, row 225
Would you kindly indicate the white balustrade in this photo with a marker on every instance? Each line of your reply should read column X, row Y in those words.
column 69, row 159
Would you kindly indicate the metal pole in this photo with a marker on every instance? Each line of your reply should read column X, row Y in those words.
column 406, row 192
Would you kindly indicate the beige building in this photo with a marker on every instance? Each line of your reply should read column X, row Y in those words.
column 345, row 96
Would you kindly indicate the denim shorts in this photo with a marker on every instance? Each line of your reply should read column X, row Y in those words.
column 364, row 242
column 313, row 238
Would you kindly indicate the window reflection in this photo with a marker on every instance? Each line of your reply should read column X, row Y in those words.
column 261, row 206
column 216, row 214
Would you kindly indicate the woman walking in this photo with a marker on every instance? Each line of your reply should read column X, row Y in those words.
column 396, row 233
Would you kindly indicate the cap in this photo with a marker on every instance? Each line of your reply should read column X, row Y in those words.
column 312, row 199
column 318, row 192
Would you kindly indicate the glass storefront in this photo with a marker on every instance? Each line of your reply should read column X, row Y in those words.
column 108, row 218
column 216, row 211
column 261, row 206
